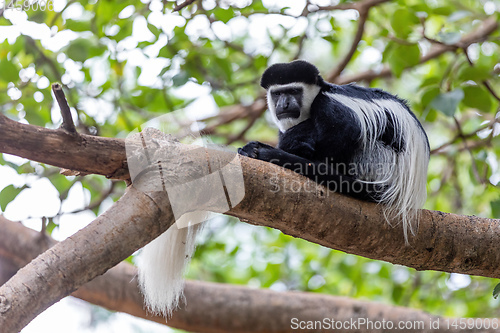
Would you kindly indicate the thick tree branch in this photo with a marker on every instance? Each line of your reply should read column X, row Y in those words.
column 110, row 239
column 106, row 157
column 233, row 308
column 337, row 221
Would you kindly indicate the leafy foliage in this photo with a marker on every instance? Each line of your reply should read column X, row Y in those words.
column 125, row 62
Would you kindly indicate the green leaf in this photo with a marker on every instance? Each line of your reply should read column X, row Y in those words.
column 164, row 70
column 443, row 10
column 4, row 21
column 401, row 57
column 496, row 291
column 478, row 98
column 78, row 49
column 495, row 209
column 8, row 194
column 180, row 79
column 166, row 52
column 125, row 30
column 433, row 80
column 77, row 25
column 17, row 46
column 154, row 30
column 224, row 15
column 37, row 16
column 476, row 73
column 448, row 102
column 9, row 71
column 60, row 182
column 429, row 95
column 402, row 21
column 82, row 49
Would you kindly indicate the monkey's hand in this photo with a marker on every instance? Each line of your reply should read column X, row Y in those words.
column 258, row 150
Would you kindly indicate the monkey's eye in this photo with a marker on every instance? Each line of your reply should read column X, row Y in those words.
column 276, row 93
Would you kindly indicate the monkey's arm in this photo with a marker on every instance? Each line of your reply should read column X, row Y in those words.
column 321, row 172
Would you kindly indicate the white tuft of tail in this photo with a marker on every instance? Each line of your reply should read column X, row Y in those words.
column 163, row 261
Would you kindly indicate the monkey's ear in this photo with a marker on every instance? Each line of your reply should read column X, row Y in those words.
column 320, row 81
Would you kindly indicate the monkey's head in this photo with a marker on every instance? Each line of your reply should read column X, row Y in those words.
column 291, row 90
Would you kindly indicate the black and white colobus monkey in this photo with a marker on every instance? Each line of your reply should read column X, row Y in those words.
column 365, row 143
column 362, row 142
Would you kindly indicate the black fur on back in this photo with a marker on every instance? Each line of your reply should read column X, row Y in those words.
column 295, row 71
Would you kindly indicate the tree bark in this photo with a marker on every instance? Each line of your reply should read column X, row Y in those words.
column 63, row 268
column 232, row 308
column 281, row 199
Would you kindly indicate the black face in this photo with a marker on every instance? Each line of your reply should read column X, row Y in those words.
column 287, row 101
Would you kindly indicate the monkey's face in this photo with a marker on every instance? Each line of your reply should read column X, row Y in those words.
column 290, row 104
column 287, row 101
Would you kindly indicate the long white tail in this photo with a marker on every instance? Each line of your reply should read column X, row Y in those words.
column 162, row 263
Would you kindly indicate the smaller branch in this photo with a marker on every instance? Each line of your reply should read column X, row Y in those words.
column 359, row 6
column 301, row 46
column 67, row 123
column 399, row 40
column 96, row 203
column 468, row 135
column 363, row 16
column 43, row 231
column 488, row 26
column 43, row 58
column 474, row 166
column 249, row 125
column 238, row 111
column 183, row 5
column 484, row 82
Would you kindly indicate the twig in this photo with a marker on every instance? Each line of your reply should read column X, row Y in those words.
column 67, row 123
column 363, row 16
column 182, row 5
column 488, row 26
column 44, row 226
column 301, row 46
column 43, row 58
column 474, row 166
column 484, row 82
column 241, row 135
column 359, row 6
column 468, row 135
